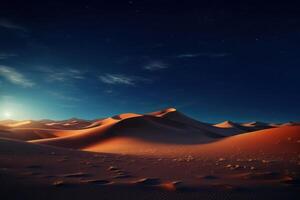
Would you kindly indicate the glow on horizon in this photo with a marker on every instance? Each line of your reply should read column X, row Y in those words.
column 7, row 114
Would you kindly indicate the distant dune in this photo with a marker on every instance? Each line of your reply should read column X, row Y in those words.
column 47, row 124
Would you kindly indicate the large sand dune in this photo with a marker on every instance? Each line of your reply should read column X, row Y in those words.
column 160, row 154
column 158, row 129
column 167, row 126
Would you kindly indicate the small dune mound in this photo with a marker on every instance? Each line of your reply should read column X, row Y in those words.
column 113, row 168
column 97, row 182
column 59, row 183
column 234, row 127
column 291, row 124
column 289, row 180
column 148, row 181
column 255, row 124
column 226, row 124
column 172, row 186
column 122, row 176
column 76, row 175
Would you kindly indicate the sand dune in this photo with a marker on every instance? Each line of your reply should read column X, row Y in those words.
column 19, row 124
column 165, row 152
column 47, row 124
column 282, row 140
column 291, row 124
column 276, row 141
column 227, row 124
column 235, row 127
column 167, row 126
column 245, row 127
column 141, row 127
column 6, row 122
column 166, row 132
column 26, row 134
column 2, row 127
column 258, row 125
column 174, row 115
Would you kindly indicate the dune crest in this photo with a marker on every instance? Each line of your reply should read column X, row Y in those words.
column 162, row 112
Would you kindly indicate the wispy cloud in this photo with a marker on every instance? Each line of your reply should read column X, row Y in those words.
column 4, row 23
column 155, row 65
column 63, row 96
column 62, row 75
column 4, row 56
column 117, row 79
column 188, row 55
column 122, row 79
column 194, row 55
column 15, row 77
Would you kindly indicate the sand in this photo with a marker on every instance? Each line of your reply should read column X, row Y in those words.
column 160, row 155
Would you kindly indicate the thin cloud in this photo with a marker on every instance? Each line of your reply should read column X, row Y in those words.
column 117, row 79
column 4, row 56
column 188, row 55
column 194, row 55
column 4, row 23
column 62, row 75
column 155, row 65
column 64, row 96
column 15, row 77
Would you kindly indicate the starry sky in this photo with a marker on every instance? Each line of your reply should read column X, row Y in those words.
column 212, row 60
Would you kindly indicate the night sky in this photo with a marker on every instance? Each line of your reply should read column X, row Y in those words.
column 91, row 59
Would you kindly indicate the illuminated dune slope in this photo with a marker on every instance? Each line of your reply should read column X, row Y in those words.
column 277, row 141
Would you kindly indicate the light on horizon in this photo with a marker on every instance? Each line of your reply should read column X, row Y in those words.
column 7, row 114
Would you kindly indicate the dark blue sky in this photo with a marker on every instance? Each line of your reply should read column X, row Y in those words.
column 213, row 61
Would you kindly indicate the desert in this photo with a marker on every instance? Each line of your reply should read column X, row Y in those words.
column 164, row 153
